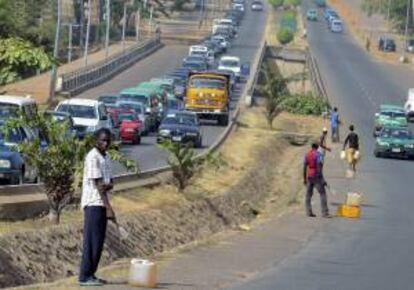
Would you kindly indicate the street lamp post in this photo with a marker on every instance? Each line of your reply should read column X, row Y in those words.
column 137, row 23
column 406, row 29
column 124, row 21
column 108, row 23
column 88, row 29
column 53, row 73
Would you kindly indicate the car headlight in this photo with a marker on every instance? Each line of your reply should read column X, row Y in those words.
column 4, row 163
column 385, row 144
column 192, row 134
column 90, row 129
column 165, row 132
column 410, row 146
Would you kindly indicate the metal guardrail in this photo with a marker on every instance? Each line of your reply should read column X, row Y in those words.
column 315, row 76
column 80, row 80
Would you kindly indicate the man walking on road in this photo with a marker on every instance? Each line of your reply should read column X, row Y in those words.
column 334, row 120
column 97, row 182
column 313, row 177
column 352, row 153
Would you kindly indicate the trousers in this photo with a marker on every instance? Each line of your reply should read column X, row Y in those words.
column 335, row 134
column 94, row 231
column 319, row 183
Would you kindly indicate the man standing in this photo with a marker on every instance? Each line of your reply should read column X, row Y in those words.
column 352, row 153
column 313, row 177
column 97, row 182
column 322, row 144
column 334, row 120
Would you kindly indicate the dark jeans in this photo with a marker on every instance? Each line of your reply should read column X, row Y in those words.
column 93, row 240
column 335, row 134
column 319, row 183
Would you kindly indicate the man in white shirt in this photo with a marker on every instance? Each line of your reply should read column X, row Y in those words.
column 97, row 183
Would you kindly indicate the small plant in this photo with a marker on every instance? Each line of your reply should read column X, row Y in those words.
column 284, row 36
column 305, row 105
column 185, row 164
column 276, row 3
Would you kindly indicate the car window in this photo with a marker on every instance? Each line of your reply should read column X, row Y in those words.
column 102, row 111
column 78, row 111
column 14, row 135
column 8, row 110
column 230, row 63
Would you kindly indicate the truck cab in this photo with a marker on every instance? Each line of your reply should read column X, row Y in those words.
column 208, row 94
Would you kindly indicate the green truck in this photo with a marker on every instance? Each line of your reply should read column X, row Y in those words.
column 389, row 116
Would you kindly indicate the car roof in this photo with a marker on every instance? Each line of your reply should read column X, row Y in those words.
column 230, row 58
column 136, row 90
column 387, row 107
column 16, row 100
column 79, row 101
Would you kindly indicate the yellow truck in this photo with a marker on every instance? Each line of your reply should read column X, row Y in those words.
column 208, row 94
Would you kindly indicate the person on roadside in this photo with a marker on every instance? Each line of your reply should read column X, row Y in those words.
column 97, row 183
column 334, row 121
column 352, row 153
column 313, row 177
column 323, row 147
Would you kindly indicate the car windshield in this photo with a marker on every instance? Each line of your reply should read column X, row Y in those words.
column 207, row 83
column 136, row 98
column 108, row 99
column 173, row 104
column 13, row 135
column 136, row 107
column 198, row 52
column 194, row 65
column 78, row 111
column 8, row 110
column 393, row 114
column 396, row 133
column 194, row 58
column 230, row 63
column 126, row 117
column 179, row 120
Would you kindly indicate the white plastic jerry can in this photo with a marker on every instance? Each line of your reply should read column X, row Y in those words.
column 142, row 273
column 353, row 199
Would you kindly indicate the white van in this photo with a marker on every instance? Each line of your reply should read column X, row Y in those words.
column 201, row 50
column 88, row 115
column 336, row 26
column 11, row 105
column 409, row 105
column 231, row 63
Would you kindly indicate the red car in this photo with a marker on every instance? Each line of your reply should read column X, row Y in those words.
column 130, row 127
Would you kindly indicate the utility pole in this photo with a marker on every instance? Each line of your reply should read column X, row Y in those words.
column 70, row 42
column 124, row 21
column 137, row 22
column 150, row 19
column 53, row 73
column 88, row 29
column 108, row 24
column 388, row 14
column 407, row 19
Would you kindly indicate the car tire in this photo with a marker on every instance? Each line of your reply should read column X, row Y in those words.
column 199, row 143
column 377, row 154
column 223, row 120
column 137, row 140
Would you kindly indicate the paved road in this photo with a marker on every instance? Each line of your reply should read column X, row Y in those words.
column 165, row 60
column 374, row 252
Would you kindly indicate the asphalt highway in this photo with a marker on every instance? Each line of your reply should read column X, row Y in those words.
column 374, row 252
column 147, row 154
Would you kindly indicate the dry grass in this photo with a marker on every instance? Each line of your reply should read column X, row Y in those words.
column 355, row 25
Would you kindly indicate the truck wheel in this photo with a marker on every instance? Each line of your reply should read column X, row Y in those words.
column 137, row 140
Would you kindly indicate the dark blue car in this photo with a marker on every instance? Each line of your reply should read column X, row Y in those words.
column 180, row 127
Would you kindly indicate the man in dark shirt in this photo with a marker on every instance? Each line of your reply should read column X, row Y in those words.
column 352, row 153
column 313, row 177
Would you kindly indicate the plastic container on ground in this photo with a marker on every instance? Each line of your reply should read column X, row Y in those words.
column 142, row 273
column 347, row 211
column 353, row 199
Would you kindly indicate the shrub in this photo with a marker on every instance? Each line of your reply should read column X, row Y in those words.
column 291, row 2
column 288, row 20
column 284, row 36
column 276, row 3
column 305, row 105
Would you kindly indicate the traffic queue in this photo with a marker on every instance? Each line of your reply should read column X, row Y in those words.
column 169, row 106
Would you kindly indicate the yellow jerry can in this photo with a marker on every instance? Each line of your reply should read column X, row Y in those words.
column 344, row 210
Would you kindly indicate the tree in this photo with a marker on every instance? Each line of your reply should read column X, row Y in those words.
column 58, row 157
column 185, row 164
column 20, row 58
column 276, row 92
